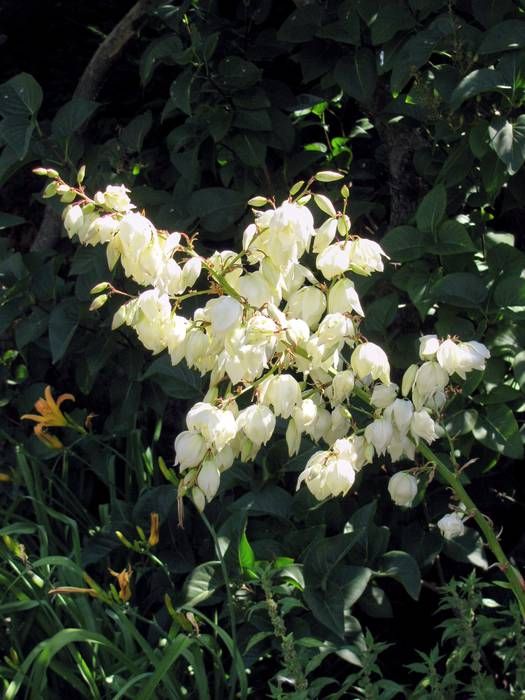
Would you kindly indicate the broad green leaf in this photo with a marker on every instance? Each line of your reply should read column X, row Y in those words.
column 72, row 116
column 404, row 569
column 510, row 292
column 452, row 239
column 469, row 548
column 270, row 500
column 431, row 211
column 158, row 51
column 180, row 90
column 498, row 430
column 178, row 382
column 201, row 583
column 390, row 19
column 518, row 369
column 476, row 82
column 31, row 328
column 301, row 25
column 404, row 243
column 505, row 36
column 20, row 96
column 252, row 119
column 133, row 134
column 344, row 588
column 357, row 75
column 238, row 74
column 217, row 207
column 8, row 220
column 507, row 139
column 460, row 289
column 63, row 322
column 323, row 556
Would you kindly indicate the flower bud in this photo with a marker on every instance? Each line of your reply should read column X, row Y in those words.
column 191, row 271
column 451, row 525
column 73, row 219
column 342, row 386
column 402, row 488
column 209, row 478
column 428, row 346
column 198, row 498
column 293, row 438
column 408, row 379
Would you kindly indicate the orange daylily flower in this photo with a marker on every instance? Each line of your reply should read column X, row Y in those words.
column 124, row 582
column 153, row 529
column 49, row 416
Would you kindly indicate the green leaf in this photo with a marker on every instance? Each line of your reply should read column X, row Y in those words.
column 357, row 75
column 8, row 220
column 432, row 209
column 346, row 585
column 178, row 382
column 499, row 431
column 270, row 500
column 133, row 134
column 174, row 650
column 301, row 25
column 167, row 47
column 460, row 289
column 72, row 117
column 250, row 148
column 63, row 322
column 31, row 328
column 201, row 583
column 510, row 292
column 504, row 36
column 390, row 19
column 20, row 96
column 217, row 207
column 252, row 119
column 404, row 243
column 518, row 369
column 246, row 553
column 507, row 139
column 404, row 569
column 323, row 556
column 238, row 74
column 467, row 548
column 452, row 239
column 476, row 82
column 381, row 313
column 180, row 90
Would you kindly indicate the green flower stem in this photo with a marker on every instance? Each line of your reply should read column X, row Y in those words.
column 516, row 582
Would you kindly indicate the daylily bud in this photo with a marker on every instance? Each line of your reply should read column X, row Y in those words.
column 402, row 488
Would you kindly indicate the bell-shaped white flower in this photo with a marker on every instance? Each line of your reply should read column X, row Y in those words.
column 334, row 260
column 324, row 235
column 257, row 422
column 423, row 426
column 402, row 488
column 428, row 346
column 282, row 392
column 190, row 448
column 209, row 478
column 383, row 395
column 370, row 359
column 400, row 412
column 343, row 298
column 379, row 434
column 341, row 387
column 217, row 426
column 73, row 219
column 308, row 304
column 366, row 256
column 224, row 314
column 451, row 525
column 327, row 475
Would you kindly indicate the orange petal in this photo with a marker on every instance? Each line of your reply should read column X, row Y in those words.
column 32, row 416
column 65, row 397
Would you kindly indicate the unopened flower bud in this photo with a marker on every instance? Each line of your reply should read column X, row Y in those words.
column 451, row 526
column 402, row 488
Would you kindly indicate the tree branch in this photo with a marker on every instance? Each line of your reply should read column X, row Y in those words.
column 88, row 87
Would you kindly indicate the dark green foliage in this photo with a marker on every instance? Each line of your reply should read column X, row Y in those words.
column 420, row 103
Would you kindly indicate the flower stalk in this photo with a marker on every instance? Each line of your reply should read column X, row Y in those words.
column 513, row 576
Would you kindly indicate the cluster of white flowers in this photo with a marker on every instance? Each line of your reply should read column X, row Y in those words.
column 279, row 333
